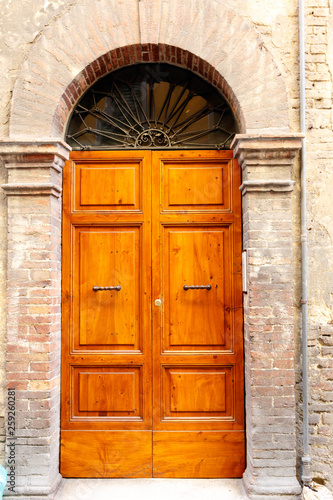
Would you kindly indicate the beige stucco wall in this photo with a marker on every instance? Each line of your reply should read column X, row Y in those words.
column 22, row 23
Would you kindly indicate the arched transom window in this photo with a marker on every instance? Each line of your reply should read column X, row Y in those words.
column 153, row 105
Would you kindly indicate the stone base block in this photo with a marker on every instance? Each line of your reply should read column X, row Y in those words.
column 272, row 487
column 35, row 492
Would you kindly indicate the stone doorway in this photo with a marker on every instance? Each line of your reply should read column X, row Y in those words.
column 34, row 185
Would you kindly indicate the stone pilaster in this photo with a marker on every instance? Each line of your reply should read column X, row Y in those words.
column 266, row 188
column 34, row 190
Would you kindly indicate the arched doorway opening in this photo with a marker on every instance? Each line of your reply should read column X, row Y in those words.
column 152, row 349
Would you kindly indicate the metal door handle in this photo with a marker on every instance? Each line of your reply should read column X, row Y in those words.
column 102, row 288
column 197, row 287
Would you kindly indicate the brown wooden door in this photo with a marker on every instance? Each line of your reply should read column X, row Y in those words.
column 152, row 373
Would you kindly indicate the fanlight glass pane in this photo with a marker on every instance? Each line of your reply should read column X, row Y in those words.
column 151, row 105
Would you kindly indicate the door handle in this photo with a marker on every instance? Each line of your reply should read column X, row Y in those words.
column 197, row 287
column 117, row 288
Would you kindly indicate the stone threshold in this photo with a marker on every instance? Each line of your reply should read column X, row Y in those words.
column 162, row 489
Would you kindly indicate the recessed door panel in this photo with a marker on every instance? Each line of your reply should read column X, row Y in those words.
column 196, row 257
column 108, row 185
column 198, row 392
column 195, row 185
column 107, row 392
column 108, row 257
column 116, row 186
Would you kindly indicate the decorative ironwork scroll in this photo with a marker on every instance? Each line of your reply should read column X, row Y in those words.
column 153, row 105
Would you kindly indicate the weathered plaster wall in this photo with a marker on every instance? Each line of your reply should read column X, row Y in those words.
column 21, row 23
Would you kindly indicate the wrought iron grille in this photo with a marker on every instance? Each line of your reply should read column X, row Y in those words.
column 153, row 105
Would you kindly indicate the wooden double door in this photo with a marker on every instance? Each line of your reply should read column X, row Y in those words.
column 152, row 350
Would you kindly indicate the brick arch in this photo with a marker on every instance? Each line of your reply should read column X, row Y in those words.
column 85, row 41
column 139, row 53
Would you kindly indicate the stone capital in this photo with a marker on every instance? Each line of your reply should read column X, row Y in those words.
column 266, row 150
column 266, row 161
column 34, row 167
column 33, row 154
